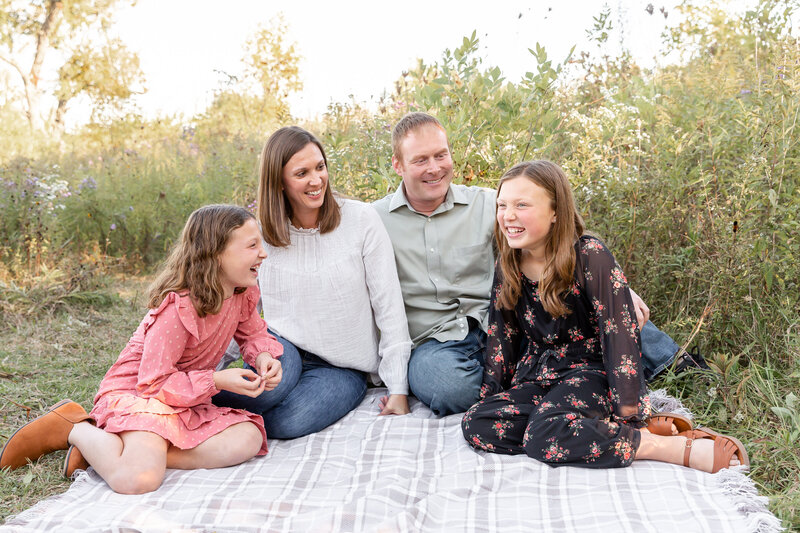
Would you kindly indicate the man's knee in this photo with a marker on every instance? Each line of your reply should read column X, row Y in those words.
column 446, row 380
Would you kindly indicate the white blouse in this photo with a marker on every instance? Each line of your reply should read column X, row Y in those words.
column 337, row 296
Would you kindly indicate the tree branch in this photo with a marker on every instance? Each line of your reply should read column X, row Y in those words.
column 13, row 64
column 43, row 38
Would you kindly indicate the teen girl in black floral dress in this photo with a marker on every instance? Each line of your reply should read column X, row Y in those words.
column 563, row 380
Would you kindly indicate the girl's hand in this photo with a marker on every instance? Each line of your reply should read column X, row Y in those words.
column 270, row 370
column 396, row 404
column 240, row 381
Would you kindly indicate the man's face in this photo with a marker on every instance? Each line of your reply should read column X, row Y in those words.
column 426, row 167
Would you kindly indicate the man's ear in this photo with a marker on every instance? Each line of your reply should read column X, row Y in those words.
column 397, row 166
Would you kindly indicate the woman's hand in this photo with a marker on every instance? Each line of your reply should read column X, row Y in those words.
column 240, row 381
column 270, row 370
column 396, row 404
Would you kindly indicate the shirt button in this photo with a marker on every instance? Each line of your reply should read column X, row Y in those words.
column 431, row 249
column 429, row 220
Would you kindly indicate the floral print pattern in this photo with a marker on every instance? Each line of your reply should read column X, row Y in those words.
column 555, row 387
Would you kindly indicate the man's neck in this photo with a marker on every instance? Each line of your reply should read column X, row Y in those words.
column 424, row 208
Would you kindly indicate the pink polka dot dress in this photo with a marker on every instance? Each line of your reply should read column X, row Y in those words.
column 163, row 380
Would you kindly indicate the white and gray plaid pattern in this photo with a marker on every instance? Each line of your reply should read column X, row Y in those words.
column 407, row 473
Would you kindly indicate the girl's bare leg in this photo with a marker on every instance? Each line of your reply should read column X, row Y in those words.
column 671, row 450
column 134, row 462
column 232, row 446
column 131, row 462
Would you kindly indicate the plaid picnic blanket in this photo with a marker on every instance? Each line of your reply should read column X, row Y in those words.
column 408, row 473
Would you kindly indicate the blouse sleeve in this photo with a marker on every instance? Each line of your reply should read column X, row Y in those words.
column 167, row 331
column 394, row 347
column 251, row 334
column 608, row 291
column 502, row 345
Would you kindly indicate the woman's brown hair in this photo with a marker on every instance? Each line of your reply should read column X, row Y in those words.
column 193, row 264
column 558, row 274
column 274, row 209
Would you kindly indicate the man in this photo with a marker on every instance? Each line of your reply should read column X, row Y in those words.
column 443, row 237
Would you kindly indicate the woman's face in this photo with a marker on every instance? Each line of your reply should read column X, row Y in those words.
column 305, row 178
column 524, row 213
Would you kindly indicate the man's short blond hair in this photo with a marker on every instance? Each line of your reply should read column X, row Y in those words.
column 411, row 122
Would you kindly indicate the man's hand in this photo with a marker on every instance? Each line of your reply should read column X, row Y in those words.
column 269, row 369
column 396, row 404
column 642, row 311
column 239, row 380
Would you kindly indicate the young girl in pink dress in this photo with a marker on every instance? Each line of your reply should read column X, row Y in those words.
column 153, row 410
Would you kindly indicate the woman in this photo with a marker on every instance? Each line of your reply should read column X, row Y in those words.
column 575, row 394
column 329, row 291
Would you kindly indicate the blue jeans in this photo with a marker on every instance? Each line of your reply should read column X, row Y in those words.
column 658, row 350
column 311, row 396
column 447, row 376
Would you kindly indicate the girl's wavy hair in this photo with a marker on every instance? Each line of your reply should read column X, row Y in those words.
column 274, row 209
column 558, row 274
column 193, row 265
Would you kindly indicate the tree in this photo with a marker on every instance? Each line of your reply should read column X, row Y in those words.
column 256, row 99
column 76, row 31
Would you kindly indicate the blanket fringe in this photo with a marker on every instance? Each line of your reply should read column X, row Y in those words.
column 744, row 494
column 661, row 402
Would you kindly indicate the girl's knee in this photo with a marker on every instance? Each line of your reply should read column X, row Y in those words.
column 252, row 442
column 131, row 481
column 246, row 443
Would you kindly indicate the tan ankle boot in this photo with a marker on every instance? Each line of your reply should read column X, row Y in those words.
column 42, row 435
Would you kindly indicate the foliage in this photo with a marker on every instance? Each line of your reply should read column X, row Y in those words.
column 255, row 101
column 95, row 64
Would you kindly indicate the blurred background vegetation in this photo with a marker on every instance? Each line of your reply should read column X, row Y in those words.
column 690, row 172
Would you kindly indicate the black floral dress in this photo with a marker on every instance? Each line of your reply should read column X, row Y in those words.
column 568, row 390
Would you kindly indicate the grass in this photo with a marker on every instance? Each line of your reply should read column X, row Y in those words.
column 48, row 357
column 64, row 354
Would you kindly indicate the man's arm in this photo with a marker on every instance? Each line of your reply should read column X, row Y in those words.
column 642, row 311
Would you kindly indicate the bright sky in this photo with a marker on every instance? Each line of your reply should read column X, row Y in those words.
column 357, row 47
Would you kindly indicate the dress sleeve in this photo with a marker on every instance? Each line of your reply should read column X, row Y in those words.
column 502, row 345
column 167, row 331
column 608, row 291
column 251, row 334
column 386, row 299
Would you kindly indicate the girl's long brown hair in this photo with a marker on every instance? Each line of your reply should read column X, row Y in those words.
column 274, row 209
column 193, row 264
column 558, row 274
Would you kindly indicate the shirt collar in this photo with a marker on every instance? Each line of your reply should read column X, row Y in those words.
column 455, row 195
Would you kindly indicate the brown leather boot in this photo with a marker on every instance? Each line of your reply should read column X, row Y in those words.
column 74, row 461
column 42, row 435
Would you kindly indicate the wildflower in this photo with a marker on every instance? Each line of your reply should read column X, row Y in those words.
column 87, row 183
column 113, row 227
column 745, row 91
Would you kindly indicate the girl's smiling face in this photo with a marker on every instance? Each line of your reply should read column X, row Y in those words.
column 242, row 256
column 525, row 214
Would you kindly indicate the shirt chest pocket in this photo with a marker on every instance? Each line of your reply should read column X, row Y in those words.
column 469, row 265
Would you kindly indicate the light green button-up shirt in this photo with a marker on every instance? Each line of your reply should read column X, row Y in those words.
column 445, row 261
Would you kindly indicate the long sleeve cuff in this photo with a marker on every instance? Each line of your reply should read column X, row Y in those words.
column 393, row 367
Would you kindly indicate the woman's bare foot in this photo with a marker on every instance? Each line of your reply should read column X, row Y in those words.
column 672, row 449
